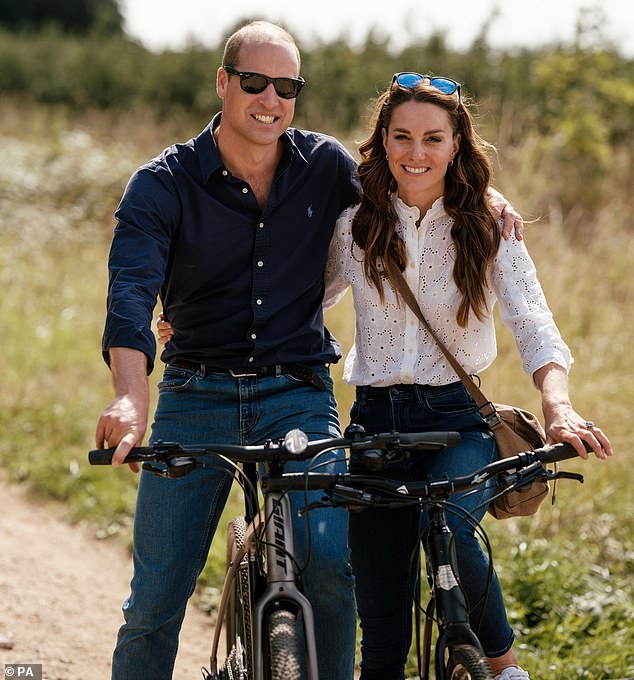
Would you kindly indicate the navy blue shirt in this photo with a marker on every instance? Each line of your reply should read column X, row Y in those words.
column 241, row 285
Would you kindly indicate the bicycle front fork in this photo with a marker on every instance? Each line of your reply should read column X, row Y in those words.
column 451, row 607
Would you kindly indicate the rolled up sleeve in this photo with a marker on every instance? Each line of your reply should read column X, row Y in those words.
column 524, row 310
column 138, row 260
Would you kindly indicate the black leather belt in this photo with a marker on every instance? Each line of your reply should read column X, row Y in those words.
column 298, row 371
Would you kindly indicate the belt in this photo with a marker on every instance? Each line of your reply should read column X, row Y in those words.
column 299, row 371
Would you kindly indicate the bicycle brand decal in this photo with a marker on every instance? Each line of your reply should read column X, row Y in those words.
column 280, row 537
column 445, row 578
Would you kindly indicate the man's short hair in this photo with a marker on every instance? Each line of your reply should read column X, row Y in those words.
column 258, row 32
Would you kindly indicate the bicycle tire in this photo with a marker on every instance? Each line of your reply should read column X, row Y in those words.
column 284, row 642
column 238, row 621
column 465, row 662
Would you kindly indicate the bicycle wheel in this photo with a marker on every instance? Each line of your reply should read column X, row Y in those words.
column 466, row 663
column 284, row 646
column 239, row 661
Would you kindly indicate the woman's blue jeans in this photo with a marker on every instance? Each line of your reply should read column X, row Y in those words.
column 383, row 541
column 176, row 519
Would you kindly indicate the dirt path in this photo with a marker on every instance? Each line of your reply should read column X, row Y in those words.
column 61, row 591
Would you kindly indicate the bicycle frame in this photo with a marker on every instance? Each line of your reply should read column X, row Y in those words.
column 276, row 525
column 280, row 582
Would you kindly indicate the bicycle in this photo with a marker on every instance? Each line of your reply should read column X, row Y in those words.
column 262, row 603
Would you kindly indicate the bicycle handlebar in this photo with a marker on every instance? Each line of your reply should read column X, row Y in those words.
column 529, row 464
column 373, row 450
column 279, row 450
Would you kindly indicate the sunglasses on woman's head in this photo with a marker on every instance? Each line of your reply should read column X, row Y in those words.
column 255, row 83
column 410, row 80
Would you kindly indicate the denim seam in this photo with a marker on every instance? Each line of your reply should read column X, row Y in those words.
column 249, row 411
column 202, row 555
column 405, row 593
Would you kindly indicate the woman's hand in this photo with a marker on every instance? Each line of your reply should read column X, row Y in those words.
column 562, row 422
column 164, row 330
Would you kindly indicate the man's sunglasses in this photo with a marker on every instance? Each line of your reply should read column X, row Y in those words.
column 411, row 80
column 254, row 83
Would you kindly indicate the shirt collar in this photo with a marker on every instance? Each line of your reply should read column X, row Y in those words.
column 407, row 212
column 209, row 157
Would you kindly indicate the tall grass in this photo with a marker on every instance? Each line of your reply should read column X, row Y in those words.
column 567, row 572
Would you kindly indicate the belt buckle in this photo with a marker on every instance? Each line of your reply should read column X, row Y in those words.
column 242, row 375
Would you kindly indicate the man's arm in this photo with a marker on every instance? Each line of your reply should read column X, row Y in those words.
column 124, row 421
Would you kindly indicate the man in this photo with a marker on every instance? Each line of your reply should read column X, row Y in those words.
column 231, row 229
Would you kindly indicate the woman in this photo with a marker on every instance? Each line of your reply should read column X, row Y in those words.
column 425, row 210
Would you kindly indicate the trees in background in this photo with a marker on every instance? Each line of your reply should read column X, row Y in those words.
column 69, row 16
column 567, row 109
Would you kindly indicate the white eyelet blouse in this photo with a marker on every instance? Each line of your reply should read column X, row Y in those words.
column 392, row 347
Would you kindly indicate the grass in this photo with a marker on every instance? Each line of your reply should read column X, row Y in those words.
column 567, row 572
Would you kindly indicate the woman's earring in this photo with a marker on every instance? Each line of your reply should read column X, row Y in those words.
column 387, row 157
column 451, row 162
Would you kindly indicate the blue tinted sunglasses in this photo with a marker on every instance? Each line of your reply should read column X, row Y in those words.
column 410, row 80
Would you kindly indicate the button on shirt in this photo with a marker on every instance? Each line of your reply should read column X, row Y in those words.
column 241, row 285
column 391, row 346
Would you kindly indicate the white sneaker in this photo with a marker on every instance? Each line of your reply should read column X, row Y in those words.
column 512, row 673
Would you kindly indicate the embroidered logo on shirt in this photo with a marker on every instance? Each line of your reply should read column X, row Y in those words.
column 309, row 212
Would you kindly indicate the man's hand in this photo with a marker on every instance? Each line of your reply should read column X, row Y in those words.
column 124, row 421
column 164, row 330
column 512, row 219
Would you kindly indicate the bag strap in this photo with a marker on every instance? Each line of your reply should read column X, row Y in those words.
column 487, row 409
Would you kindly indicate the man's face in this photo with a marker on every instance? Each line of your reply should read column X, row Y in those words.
column 258, row 118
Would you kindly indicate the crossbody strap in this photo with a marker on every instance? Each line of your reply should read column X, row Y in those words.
column 487, row 409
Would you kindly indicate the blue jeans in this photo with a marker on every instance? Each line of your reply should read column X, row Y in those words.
column 176, row 519
column 383, row 541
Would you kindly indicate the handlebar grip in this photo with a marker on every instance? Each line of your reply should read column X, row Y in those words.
column 442, row 438
column 558, row 452
column 101, row 456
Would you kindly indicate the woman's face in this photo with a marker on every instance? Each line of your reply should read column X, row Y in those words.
column 419, row 144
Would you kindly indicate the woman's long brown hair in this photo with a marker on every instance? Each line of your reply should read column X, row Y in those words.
column 475, row 231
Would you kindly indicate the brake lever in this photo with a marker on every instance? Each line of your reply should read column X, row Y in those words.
column 326, row 503
column 175, row 468
column 342, row 496
column 562, row 474
column 527, row 475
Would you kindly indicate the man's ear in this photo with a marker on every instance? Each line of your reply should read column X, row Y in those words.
column 221, row 82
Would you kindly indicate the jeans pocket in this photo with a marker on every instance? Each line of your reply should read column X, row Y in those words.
column 320, row 373
column 451, row 402
column 175, row 379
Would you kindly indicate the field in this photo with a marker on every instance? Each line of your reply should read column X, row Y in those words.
column 567, row 573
